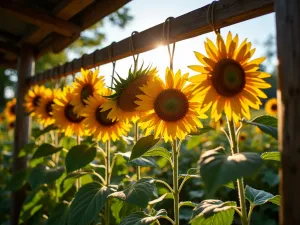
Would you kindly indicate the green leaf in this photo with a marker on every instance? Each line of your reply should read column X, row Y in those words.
column 139, row 193
column 141, row 161
column 27, row 149
column 80, row 156
column 68, row 142
column 267, row 124
column 202, row 130
column 230, row 185
column 187, row 203
column 217, row 168
column 88, row 203
column 191, row 173
column 213, row 212
column 59, row 216
column 44, row 175
column 143, row 145
column 71, row 177
column 271, row 156
column 18, row 180
column 31, row 205
column 161, row 152
column 259, row 197
column 141, row 218
column 45, row 150
column 44, row 131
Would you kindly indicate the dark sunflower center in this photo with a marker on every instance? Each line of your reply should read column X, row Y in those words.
column 128, row 95
column 71, row 115
column 13, row 109
column 171, row 105
column 86, row 92
column 48, row 108
column 274, row 107
column 102, row 119
column 228, row 77
column 36, row 101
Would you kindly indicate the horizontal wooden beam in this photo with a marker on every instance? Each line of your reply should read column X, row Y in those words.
column 8, row 64
column 40, row 18
column 8, row 48
column 183, row 27
column 9, row 37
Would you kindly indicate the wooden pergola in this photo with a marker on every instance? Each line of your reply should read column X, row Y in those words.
column 37, row 27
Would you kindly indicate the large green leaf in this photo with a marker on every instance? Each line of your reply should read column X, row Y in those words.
column 80, row 156
column 46, row 150
column 141, row 218
column 213, row 212
column 18, row 180
column 217, row 168
column 44, row 131
column 59, row 216
column 139, row 193
column 141, row 161
column 267, row 124
column 161, row 152
column 142, row 145
column 259, row 197
column 271, row 156
column 88, row 203
column 32, row 204
column 44, row 175
column 27, row 149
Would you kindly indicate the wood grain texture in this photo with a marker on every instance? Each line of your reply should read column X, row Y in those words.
column 288, row 47
column 183, row 27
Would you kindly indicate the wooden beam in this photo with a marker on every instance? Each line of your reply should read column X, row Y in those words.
column 8, row 64
column 183, row 27
column 9, row 37
column 8, row 48
column 288, row 94
column 22, row 128
column 40, row 18
column 64, row 10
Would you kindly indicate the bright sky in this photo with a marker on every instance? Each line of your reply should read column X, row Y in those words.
column 148, row 13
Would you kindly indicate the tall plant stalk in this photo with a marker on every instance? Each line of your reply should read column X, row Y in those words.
column 136, row 138
column 107, row 180
column 240, row 182
column 78, row 181
column 175, row 182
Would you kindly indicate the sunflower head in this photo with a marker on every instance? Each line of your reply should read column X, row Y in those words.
column 174, row 107
column 86, row 85
column 97, row 122
column 65, row 116
column 10, row 110
column 228, row 79
column 33, row 98
column 122, row 103
column 271, row 106
column 243, row 136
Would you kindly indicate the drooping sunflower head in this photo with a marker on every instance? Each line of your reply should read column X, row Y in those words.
column 174, row 107
column 66, row 118
column 44, row 111
column 33, row 98
column 228, row 79
column 271, row 106
column 122, row 104
column 10, row 110
column 97, row 122
column 86, row 85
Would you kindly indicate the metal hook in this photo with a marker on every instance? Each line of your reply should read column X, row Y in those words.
column 166, row 39
column 211, row 17
column 134, row 55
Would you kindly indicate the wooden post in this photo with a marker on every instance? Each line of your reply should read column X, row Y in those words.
column 21, row 137
column 288, row 45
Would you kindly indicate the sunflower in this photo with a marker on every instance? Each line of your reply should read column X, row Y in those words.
column 218, row 124
column 88, row 84
column 122, row 104
column 33, row 98
column 174, row 108
column 99, row 125
column 271, row 106
column 65, row 117
column 11, row 125
column 44, row 109
column 228, row 79
column 10, row 110
column 243, row 136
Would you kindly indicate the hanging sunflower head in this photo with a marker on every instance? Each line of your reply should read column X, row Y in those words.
column 66, row 118
column 121, row 104
column 44, row 111
column 228, row 79
column 271, row 106
column 10, row 110
column 86, row 85
column 33, row 98
column 174, row 108
column 97, row 122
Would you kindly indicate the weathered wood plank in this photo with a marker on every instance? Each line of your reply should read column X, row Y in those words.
column 40, row 19
column 288, row 94
column 8, row 48
column 183, row 27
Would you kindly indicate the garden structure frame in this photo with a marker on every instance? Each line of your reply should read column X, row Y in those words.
column 194, row 23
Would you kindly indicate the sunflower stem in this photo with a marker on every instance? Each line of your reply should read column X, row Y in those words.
column 175, row 182
column 240, row 182
column 107, row 180
column 78, row 181
column 136, row 138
